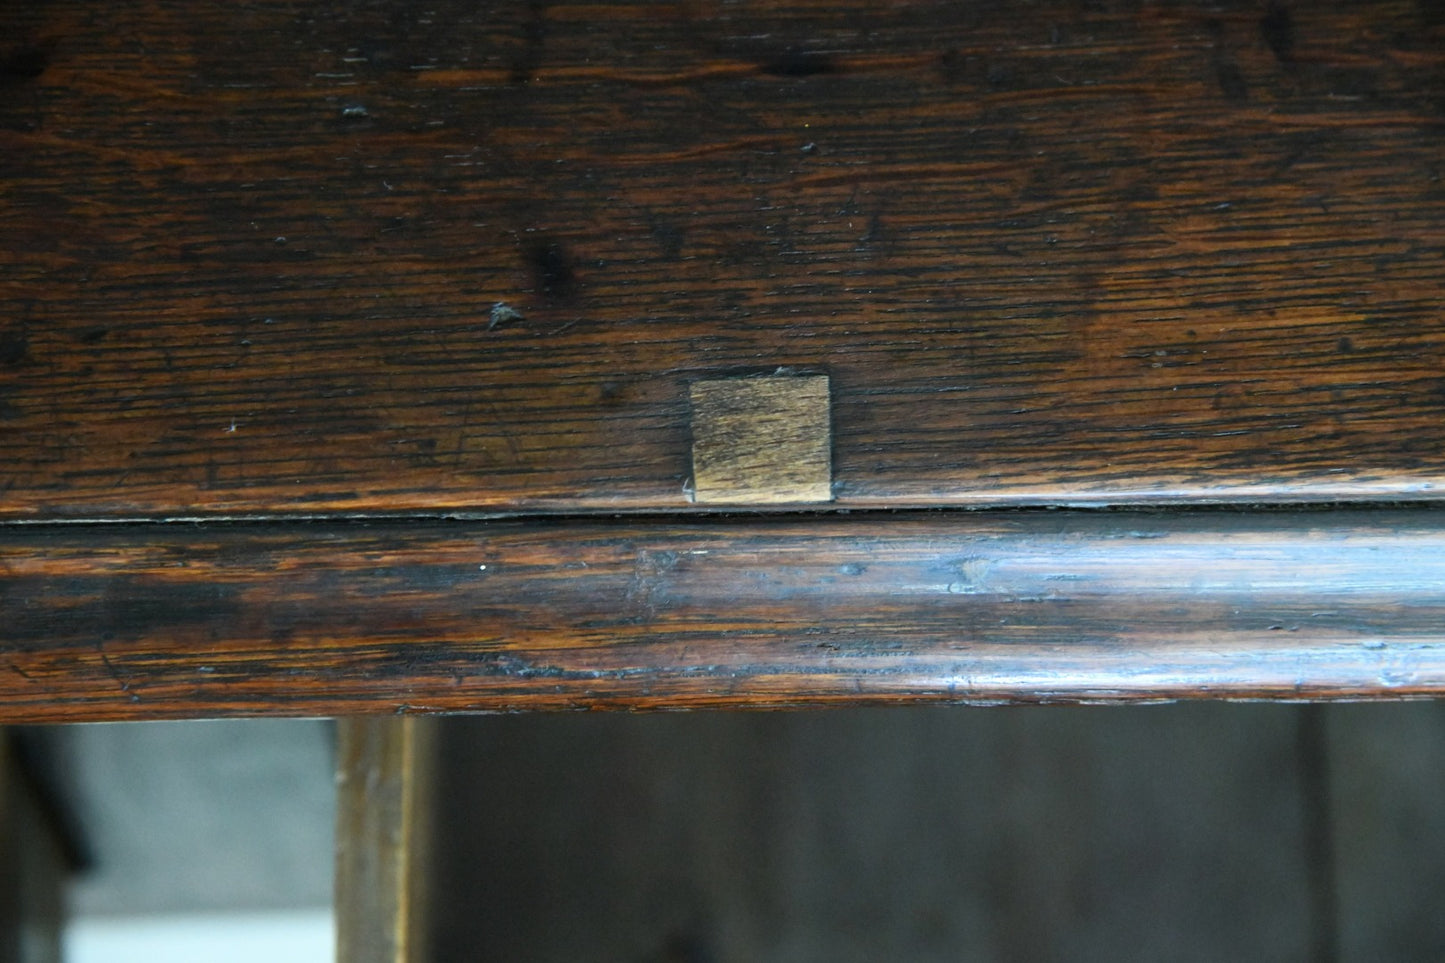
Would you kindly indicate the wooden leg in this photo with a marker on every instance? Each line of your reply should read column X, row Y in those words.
column 384, row 778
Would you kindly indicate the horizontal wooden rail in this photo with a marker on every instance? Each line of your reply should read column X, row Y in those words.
column 160, row 621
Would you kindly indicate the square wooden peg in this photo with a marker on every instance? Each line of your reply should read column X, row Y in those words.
column 762, row 441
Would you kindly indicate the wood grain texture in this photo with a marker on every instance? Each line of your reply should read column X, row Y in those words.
column 115, row 622
column 284, row 256
column 761, row 441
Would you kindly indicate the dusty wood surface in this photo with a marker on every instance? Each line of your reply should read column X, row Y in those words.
column 281, row 256
column 118, row 622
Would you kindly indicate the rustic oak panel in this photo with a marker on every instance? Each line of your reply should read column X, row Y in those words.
column 111, row 622
column 285, row 256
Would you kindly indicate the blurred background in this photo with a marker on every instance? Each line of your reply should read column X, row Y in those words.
column 189, row 840
column 1184, row 832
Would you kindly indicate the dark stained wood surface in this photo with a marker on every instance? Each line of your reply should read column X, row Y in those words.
column 115, row 622
column 282, row 256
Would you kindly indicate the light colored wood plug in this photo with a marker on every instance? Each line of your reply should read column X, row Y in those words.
column 762, row 440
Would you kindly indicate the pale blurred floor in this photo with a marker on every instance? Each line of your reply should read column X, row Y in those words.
column 201, row 816
column 275, row 936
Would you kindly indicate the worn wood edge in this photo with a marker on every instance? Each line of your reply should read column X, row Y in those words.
column 122, row 622
column 479, row 506
column 385, row 777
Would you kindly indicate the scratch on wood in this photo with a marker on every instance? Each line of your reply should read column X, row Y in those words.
column 115, row 674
